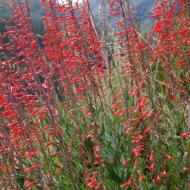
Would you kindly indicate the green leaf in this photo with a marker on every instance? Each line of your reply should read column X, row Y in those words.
column 112, row 173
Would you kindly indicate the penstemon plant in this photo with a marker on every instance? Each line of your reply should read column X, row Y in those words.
column 76, row 115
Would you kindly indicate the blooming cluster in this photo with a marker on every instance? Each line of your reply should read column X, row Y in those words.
column 72, row 118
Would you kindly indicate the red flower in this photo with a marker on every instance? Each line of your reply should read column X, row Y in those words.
column 116, row 105
column 151, row 167
column 120, row 112
column 185, row 135
column 157, row 179
column 128, row 183
column 28, row 184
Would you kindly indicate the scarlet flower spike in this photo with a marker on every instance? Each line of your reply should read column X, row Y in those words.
column 56, row 90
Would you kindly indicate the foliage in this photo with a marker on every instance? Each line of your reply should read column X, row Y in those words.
column 82, row 110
